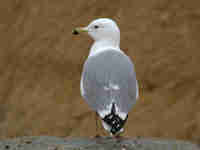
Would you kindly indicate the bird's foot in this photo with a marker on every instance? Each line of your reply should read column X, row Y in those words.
column 119, row 137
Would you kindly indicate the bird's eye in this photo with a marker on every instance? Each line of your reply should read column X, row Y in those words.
column 96, row 26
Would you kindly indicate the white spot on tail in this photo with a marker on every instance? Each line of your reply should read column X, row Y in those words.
column 108, row 109
column 121, row 114
column 111, row 86
column 105, row 111
column 115, row 87
column 106, row 88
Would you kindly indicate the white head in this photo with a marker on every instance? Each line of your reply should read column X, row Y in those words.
column 101, row 29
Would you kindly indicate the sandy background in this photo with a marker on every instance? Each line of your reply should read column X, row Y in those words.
column 41, row 62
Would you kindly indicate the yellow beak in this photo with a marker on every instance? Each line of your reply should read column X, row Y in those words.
column 79, row 30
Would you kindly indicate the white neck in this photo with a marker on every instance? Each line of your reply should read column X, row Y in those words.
column 103, row 45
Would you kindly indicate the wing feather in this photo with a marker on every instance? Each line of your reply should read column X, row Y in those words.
column 106, row 69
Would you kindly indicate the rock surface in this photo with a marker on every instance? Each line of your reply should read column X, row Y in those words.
column 103, row 143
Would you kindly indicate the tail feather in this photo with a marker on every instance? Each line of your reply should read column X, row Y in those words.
column 114, row 121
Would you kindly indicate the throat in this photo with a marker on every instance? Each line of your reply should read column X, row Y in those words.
column 103, row 45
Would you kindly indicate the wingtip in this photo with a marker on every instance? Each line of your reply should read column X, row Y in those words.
column 115, row 122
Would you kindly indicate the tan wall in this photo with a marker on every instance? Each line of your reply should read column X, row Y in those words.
column 41, row 61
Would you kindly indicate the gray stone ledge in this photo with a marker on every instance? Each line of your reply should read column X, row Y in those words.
column 85, row 143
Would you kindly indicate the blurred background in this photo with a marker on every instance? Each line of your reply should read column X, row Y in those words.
column 41, row 63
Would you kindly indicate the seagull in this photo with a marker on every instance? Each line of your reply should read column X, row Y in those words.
column 108, row 81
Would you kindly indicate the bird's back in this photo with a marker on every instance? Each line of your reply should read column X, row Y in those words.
column 109, row 86
column 107, row 77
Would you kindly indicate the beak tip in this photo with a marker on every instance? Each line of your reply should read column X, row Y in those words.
column 75, row 32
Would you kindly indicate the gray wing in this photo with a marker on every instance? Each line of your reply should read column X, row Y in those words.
column 105, row 69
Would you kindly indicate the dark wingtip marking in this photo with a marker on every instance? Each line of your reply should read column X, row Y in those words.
column 114, row 121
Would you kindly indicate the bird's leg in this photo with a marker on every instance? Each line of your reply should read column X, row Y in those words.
column 97, row 126
column 119, row 136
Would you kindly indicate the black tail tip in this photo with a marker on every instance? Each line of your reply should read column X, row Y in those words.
column 115, row 122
